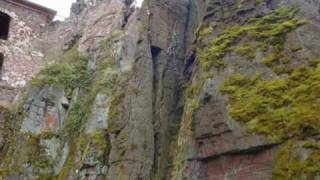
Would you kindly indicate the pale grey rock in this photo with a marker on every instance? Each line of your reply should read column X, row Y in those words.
column 99, row 114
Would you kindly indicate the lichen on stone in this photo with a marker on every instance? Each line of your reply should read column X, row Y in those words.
column 278, row 108
column 266, row 31
column 262, row 104
column 291, row 164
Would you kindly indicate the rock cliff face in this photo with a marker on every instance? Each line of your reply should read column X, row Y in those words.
column 174, row 89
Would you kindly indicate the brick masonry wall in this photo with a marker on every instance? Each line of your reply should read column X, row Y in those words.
column 22, row 55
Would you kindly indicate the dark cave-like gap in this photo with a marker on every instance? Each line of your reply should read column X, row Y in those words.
column 4, row 25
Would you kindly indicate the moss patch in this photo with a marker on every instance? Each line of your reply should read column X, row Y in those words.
column 268, row 30
column 100, row 140
column 105, row 79
column 248, row 51
column 76, row 117
column 290, row 164
column 279, row 108
column 271, row 107
column 71, row 72
column 282, row 109
column 29, row 152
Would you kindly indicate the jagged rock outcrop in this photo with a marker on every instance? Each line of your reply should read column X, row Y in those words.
column 174, row 89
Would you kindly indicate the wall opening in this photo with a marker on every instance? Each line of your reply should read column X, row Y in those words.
column 4, row 25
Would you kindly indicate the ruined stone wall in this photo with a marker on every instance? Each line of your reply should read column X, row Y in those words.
column 22, row 55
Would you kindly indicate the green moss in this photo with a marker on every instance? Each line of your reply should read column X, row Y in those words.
column 28, row 151
column 49, row 135
column 121, row 142
column 117, row 98
column 4, row 172
column 9, row 117
column 218, row 47
column 194, row 89
column 76, row 117
column 79, row 148
column 279, row 108
column 270, row 59
column 296, row 49
column 311, row 145
column 314, row 62
column 278, row 29
column 82, row 86
column 100, row 141
column 268, row 31
column 248, row 51
column 265, row 106
column 69, row 164
column 204, row 32
column 290, row 165
column 114, row 103
column 71, row 72
column 278, row 62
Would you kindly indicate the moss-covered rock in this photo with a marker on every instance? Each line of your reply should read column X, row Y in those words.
column 272, row 107
column 279, row 108
column 71, row 72
column 266, row 31
column 292, row 165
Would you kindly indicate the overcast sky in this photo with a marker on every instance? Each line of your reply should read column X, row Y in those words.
column 61, row 6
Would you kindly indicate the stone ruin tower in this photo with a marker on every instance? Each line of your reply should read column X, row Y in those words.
column 22, row 24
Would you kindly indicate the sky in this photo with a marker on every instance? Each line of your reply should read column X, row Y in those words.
column 61, row 6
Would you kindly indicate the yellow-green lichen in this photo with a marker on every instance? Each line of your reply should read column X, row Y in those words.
column 29, row 151
column 203, row 32
column 100, row 141
column 267, row 31
column 291, row 165
column 279, row 108
column 248, row 51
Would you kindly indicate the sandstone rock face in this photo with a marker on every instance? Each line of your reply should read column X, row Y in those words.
column 153, row 92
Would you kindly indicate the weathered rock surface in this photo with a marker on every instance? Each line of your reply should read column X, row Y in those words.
column 146, row 106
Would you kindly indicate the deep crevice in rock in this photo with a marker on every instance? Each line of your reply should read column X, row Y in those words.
column 189, row 64
column 155, row 52
column 251, row 150
column 1, row 65
column 186, row 25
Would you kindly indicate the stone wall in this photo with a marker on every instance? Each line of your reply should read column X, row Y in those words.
column 22, row 54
